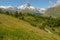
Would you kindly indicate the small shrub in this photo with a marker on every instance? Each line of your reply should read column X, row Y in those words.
column 22, row 18
column 7, row 12
column 16, row 14
column 33, row 24
column 1, row 37
column 53, row 29
column 0, row 22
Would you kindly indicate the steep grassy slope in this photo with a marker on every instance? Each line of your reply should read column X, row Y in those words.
column 52, row 24
column 55, row 11
column 14, row 29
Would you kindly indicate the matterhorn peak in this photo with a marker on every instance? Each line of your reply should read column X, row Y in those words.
column 27, row 5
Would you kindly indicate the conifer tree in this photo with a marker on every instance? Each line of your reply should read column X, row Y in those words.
column 16, row 14
column 7, row 12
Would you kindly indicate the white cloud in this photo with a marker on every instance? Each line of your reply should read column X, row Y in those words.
column 5, row 7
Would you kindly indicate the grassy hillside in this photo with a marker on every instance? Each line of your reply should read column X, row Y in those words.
column 55, row 11
column 14, row 29
column 52, row 24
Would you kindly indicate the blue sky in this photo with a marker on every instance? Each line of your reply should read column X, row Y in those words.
column 35, row 3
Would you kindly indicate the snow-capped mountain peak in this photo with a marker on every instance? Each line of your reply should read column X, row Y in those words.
column 26, row 6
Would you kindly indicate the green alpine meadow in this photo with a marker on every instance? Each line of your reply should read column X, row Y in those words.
column 34, row 20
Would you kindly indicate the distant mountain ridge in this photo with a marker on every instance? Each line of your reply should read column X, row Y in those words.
column 27, row 7
column 8, row 8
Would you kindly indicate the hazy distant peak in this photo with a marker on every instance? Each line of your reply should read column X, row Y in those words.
column 42, row 10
